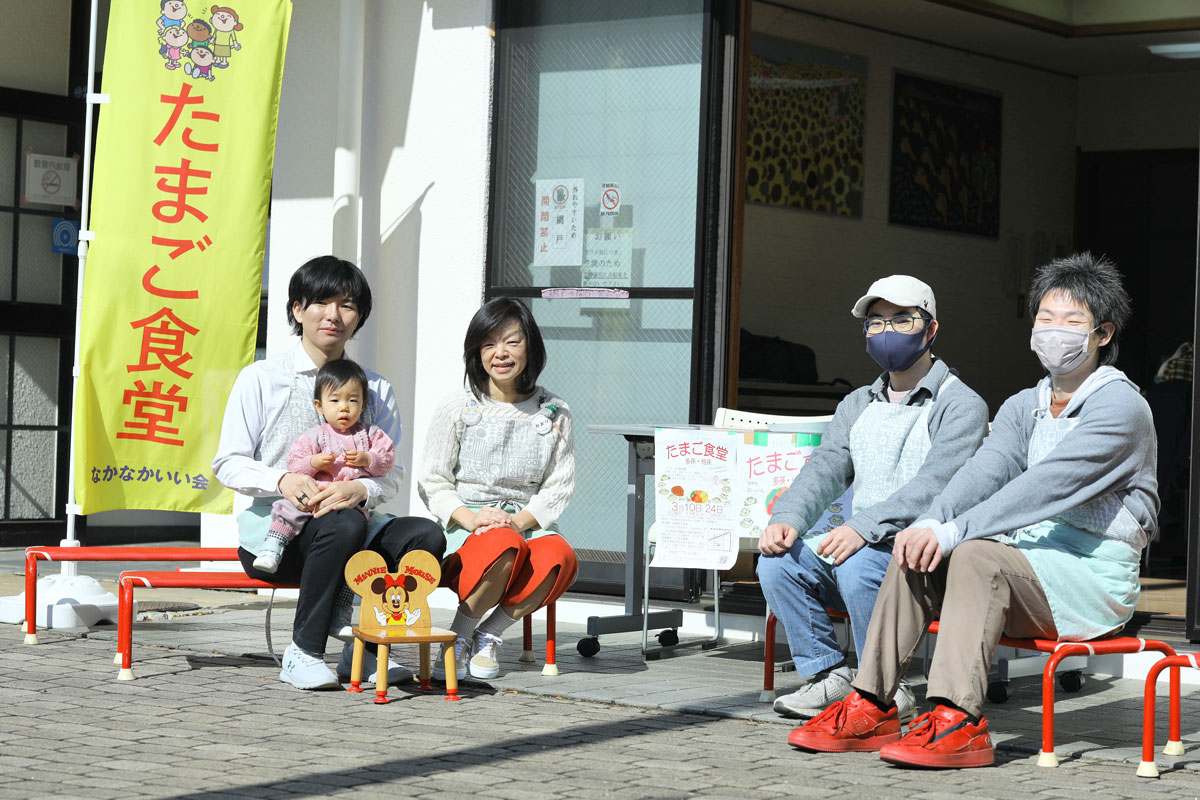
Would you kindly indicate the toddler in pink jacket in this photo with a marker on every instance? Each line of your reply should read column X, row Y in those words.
column 342, row 449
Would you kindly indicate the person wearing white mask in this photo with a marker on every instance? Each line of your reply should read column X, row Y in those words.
column 897, row 442
column 1039, row 535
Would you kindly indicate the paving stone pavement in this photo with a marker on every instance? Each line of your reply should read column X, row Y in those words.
column 207, row 718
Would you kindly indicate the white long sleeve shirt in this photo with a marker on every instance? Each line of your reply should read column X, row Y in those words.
column 259, row 396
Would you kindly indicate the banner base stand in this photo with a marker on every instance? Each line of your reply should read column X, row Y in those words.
column 64, row 601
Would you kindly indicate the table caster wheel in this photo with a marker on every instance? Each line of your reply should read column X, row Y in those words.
column 588, row 647
column 1071, row 681
column 997, row 692
column 668, row 638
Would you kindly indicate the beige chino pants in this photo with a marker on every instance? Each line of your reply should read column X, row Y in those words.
column 983, row 590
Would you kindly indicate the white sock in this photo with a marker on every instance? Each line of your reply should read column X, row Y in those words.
column 463, row 625
column 497, row 622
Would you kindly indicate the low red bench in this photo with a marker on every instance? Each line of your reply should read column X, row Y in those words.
column 35, row 554
column 239, row 580
column 1057, row 650
column 1174, row 746
column 171, row 580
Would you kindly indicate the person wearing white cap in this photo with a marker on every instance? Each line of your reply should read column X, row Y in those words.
column 896, row 442
column 1038, row 535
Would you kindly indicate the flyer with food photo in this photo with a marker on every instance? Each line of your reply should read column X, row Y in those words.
column 693, row 501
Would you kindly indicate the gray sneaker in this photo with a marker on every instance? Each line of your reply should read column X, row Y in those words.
column 906, row 702
column 824, row 689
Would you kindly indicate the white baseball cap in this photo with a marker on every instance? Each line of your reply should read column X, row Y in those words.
column 903, row 290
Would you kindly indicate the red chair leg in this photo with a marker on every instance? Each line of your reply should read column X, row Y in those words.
column 1047, row 758
column 527, row 640
column 31, row 576
column 1149, row 769
column 768, row 692
column 125, row 630
column 551, row 668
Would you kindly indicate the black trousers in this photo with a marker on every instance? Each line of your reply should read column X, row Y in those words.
column 317, row 557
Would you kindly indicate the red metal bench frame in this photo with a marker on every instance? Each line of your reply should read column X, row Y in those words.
column 35, row 554
column 1057, row 650
column 1174, row 746
column 239, row 580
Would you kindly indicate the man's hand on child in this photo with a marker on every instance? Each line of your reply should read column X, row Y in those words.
column 917, row 549
column 337, row 496
column 298, row 489
column 777, row 538
column 358, row 458
column 840, row 543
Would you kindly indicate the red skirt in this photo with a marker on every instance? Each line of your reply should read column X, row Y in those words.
column 535, row 560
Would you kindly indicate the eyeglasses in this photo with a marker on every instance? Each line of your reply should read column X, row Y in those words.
column 901, row 323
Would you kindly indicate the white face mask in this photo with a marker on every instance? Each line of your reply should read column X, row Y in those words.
column 1061, row 348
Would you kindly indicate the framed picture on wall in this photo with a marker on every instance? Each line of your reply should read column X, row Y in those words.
column 804, row 145
column 945, row 157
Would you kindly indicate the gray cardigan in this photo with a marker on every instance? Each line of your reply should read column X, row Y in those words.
column 1111, row 449
column 957, row 425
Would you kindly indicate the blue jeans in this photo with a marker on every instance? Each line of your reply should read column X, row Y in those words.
column 799, row 587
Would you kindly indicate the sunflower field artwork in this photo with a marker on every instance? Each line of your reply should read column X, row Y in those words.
column 804, row 145
column 945, row 170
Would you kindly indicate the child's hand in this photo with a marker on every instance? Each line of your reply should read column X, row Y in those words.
column 358, row 458
column 321, row 461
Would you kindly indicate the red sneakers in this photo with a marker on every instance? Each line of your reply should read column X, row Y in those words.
column 943, row 738
column 850, row 725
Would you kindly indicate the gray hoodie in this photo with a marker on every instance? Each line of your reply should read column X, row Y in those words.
column 1111, row 449
column 957, row 425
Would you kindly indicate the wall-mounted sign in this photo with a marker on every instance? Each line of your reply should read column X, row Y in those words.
column 558, row 223
column 49, row 179
column 64, row 237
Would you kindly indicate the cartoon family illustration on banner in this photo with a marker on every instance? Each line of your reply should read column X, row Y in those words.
column 198, row 46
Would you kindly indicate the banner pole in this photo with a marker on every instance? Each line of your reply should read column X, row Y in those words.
column 85, row 235
column 68, row 599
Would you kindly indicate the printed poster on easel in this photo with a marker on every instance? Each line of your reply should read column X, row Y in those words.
column 767, row 463
column 694, row 510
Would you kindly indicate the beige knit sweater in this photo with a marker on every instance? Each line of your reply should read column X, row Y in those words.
column 500, row 459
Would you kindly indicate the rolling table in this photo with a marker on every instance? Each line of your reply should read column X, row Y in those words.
column 641, row 463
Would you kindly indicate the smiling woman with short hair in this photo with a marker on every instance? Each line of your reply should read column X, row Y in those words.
column 499, row 461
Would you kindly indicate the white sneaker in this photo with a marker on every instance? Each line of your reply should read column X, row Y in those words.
column 397, row 675
column 485, row 663
column 268, row 560
column 824, row 689
column 305, row 671
column 340, row 625
column 462, row 651
column 906, row 702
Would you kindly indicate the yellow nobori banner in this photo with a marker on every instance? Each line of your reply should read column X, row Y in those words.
column 181, row 186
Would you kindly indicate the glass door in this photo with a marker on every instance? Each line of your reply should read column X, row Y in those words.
column 603, row 216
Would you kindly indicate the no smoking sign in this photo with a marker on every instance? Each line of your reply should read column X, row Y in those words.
column 610, row 199
column 49, row 179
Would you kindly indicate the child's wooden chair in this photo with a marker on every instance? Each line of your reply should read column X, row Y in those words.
column 395, row 610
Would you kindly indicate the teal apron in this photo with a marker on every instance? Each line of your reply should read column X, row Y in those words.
column 1087, row 558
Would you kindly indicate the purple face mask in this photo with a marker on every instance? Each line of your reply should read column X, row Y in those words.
column 896, row 352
